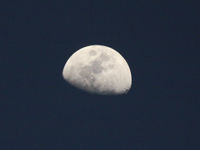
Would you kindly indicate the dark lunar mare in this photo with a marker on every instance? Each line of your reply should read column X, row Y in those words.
column 88, row 72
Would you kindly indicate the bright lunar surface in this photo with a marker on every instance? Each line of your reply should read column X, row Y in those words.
column 98, row 69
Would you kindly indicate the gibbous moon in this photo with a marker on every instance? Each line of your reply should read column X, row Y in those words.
column 98, row 69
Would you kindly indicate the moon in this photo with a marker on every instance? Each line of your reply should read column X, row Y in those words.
column 98, row 69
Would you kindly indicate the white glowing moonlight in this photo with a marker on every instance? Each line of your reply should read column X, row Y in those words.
column 98, row 69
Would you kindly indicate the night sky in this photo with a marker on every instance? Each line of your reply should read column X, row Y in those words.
column 40, row 111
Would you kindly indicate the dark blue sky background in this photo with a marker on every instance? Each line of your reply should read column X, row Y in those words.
column 40, row 111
